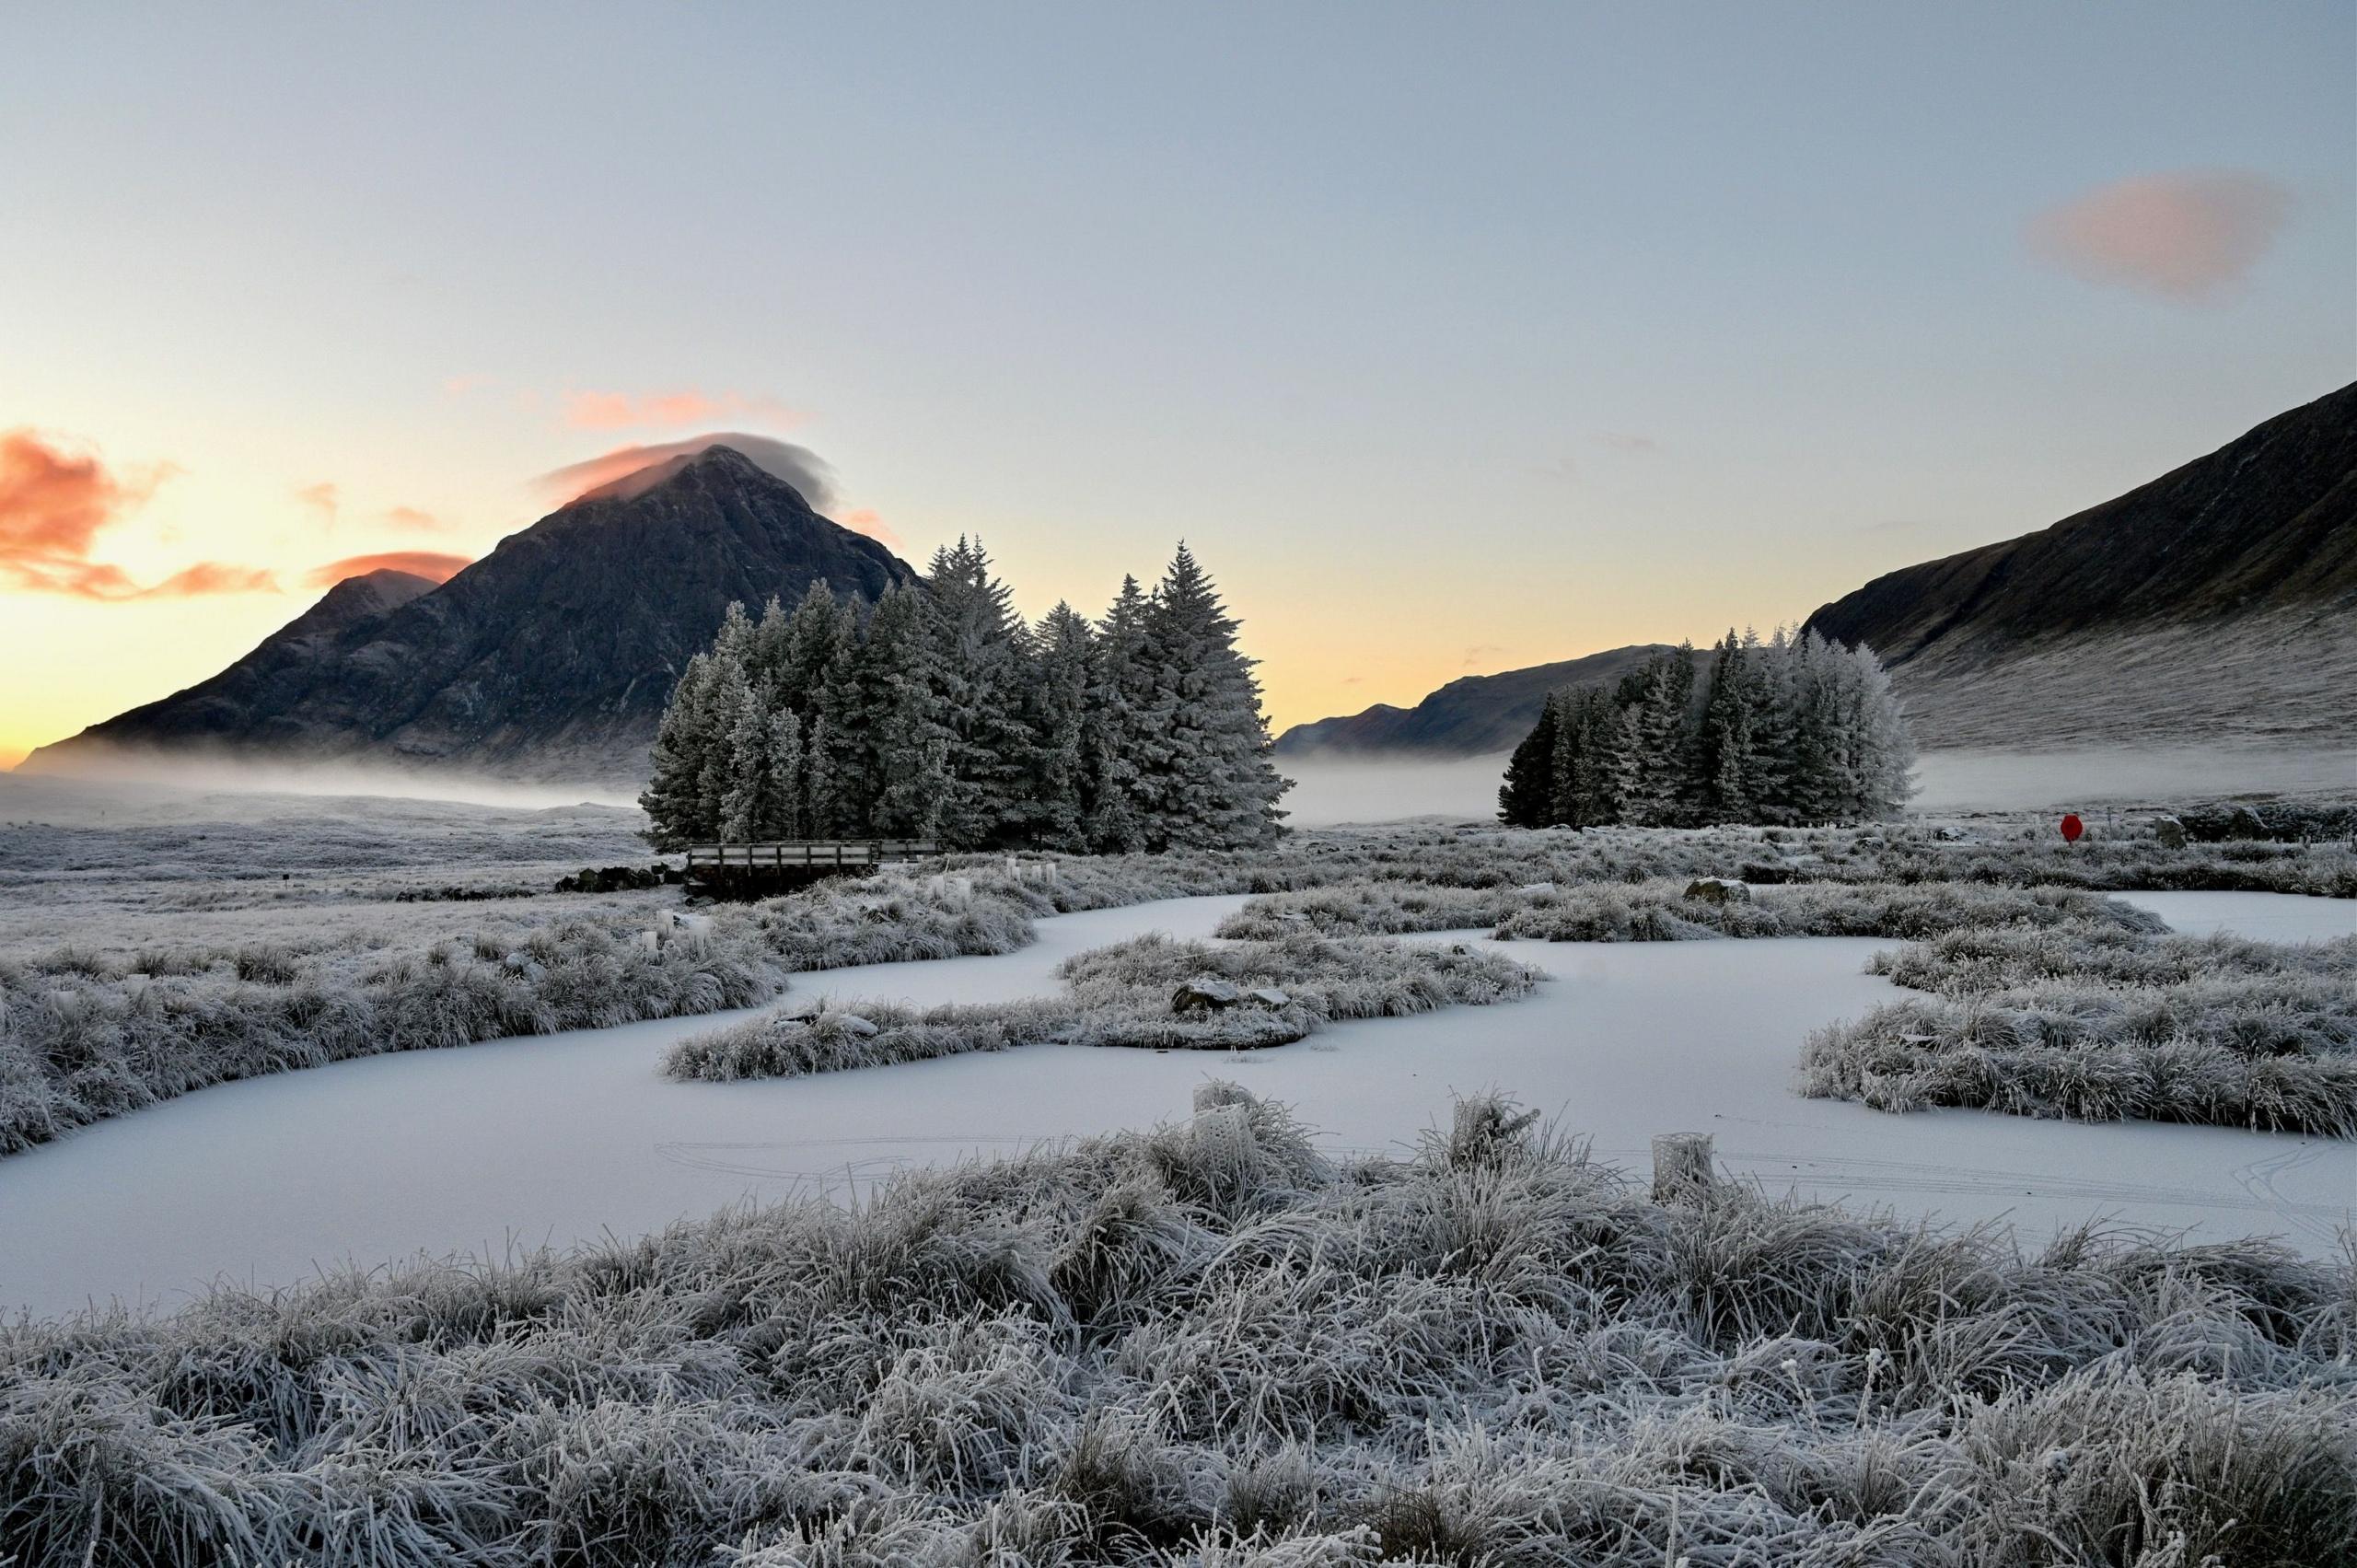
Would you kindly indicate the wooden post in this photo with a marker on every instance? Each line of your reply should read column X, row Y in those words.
column 1682, row 1166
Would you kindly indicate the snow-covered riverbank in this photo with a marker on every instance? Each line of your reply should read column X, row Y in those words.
column 557, row 1138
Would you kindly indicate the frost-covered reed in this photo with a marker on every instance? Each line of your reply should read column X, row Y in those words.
column 1122, row 995
column 2102, row 1025
column 1209, row 1345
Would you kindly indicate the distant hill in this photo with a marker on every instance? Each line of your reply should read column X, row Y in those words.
column 2217, row 602
column 550, row 657
column 1476, row 715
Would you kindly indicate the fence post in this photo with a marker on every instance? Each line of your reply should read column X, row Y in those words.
column 1682, row 1166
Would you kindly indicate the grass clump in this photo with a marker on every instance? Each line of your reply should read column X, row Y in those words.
column 1660, row 912
column 2098, row 1025
column 1122, row 995
column 1206, row 1345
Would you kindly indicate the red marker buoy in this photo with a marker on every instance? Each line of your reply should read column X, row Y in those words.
column 2072, row 828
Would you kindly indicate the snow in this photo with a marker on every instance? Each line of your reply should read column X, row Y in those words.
column 559, row 1138
column 2265, row 917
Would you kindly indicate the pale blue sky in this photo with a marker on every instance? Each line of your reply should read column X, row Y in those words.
column 1453, row 337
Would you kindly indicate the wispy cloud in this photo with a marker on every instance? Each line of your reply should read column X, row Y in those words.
column 1626, row 441
column 54, row 501
column 2187, row 236
column 671, row 411
column 417, row 562
column 413, row 519
column 322, row 500
column 1482, row 653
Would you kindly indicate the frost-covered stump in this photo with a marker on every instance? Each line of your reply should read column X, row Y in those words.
column 1682, row 1166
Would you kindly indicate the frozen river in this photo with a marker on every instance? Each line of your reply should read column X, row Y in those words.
column 560, row 1138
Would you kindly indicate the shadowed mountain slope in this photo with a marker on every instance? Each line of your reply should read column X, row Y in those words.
column 1469, row 717
column 2217, row 601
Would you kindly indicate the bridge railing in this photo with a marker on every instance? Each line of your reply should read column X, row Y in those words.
column 806, row 855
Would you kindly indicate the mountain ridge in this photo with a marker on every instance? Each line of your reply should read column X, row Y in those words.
column 550, row 657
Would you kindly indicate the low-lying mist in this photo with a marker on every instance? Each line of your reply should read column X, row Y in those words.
column 127, row 787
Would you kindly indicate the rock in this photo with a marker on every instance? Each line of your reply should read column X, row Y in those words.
column 2246, row 823
column 1205, row 993
column 1948, row 834
column 1718, row 890
column 2169, row 831
column 853, row 1023
column 1268, row 997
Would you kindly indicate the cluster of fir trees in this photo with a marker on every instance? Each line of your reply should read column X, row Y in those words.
column 1790, row 730
column 937, row 714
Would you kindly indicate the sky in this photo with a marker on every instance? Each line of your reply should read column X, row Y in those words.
column 1453, row 339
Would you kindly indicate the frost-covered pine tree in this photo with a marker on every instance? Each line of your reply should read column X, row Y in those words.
column 1059, row 722
column 1655, row 765
column 809, row 644
column 1122, row 744
column 735, row 765
column 1212, row 786
column 979, row 668
column 673, row 799
column 1726, row 764
column 1526, row 798
column 1882, row 750
column 906, row 743
column 840, row 752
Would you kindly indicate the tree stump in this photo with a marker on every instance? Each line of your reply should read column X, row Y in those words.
column 1682, row 1166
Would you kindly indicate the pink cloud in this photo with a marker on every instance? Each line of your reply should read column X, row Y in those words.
column 417, row 562
column 2184, row 236
column 321, row 498
column 53, row 502
column 865, row 519
column 413, row 519
column 671, row 410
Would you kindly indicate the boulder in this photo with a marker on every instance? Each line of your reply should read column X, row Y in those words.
column 1268, row 997
column 853, row 1023
column 2246, row 823
column 2169, row 831
column 1205, row 993
column 1718, row 890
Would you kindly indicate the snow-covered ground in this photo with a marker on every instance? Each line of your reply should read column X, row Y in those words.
column 557, row 1138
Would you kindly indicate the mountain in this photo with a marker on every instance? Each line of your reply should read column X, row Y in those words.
column 550, row 657
column 1466, row 717
column 2217, row 602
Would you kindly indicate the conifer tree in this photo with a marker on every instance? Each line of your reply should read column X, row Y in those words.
column 1121, row 742
column 674, row 799
column 1526, row 798
column 730, row 784
column 977, row 670
column 1059, row 716
column 1213, row 787
column 906, row 745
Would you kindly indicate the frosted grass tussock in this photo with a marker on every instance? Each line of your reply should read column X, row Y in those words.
column 1659, row 912
column 1120, row 995
column 1206, row 1345
column 2091, row 1023
column 82, row 1042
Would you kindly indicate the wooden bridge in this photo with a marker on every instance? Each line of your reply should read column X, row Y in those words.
column 750, row 870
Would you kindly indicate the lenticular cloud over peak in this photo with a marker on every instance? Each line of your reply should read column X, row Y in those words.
column 798, row 466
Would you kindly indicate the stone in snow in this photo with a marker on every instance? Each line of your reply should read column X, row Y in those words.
column 1268, row 997
column 1718, row 890
column 2169, row 831
column 1205, row 993
column 853, row 1023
